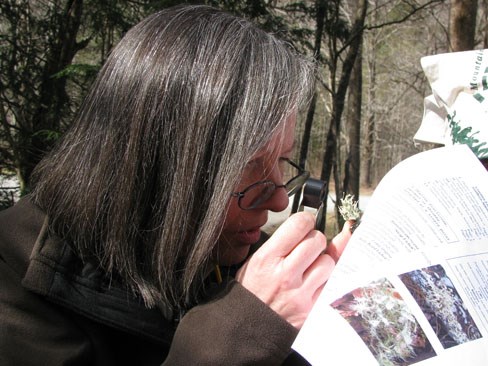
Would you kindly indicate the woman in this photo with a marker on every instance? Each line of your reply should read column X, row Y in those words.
column 170, row 168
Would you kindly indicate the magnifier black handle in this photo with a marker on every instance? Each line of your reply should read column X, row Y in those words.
column 314, row 196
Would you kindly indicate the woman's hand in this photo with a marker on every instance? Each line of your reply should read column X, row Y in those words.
column 289, row 271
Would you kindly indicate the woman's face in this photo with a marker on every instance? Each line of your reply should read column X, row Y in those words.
column 242, row 228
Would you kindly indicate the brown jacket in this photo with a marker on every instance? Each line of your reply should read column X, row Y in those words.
column 55, row 310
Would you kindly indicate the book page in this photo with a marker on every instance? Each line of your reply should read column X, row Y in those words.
column 412, row 284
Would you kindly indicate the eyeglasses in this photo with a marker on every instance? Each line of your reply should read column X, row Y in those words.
column 258, row 193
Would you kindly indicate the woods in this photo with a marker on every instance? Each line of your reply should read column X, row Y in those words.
column 369, row 91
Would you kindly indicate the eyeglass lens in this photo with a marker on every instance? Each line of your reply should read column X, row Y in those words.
column 257, row 194
column 294, row 184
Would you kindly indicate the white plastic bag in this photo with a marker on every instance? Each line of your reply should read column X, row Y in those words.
column 457, row 110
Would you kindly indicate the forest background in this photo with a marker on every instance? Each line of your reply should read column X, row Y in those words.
column 369, row 94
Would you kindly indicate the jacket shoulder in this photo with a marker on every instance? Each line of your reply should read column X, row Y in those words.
column 20, row 226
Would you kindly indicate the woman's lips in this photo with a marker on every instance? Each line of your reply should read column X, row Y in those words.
column 249, row 236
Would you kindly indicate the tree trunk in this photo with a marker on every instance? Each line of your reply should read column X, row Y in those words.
column 304, row 145
column 319, row 31
column 53, row 97
column 353, row 160
column 462, row 24
column 370, row 136
column 330, row 154
column 484, row 24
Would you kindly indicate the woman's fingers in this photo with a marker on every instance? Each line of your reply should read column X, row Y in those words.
column 305, row 253
column 339, row 242
column 319, row 271
column 288, row 235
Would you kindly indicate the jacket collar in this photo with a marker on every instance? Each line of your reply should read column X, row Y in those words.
column 54, row 271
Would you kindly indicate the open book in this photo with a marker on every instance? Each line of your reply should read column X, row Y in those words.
column 412, row 285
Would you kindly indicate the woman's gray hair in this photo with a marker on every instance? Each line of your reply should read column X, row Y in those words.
column 142, row 180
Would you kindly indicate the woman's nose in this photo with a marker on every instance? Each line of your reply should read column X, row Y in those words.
column 278, row 201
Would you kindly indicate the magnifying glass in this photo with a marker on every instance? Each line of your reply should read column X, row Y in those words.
column 313, row 195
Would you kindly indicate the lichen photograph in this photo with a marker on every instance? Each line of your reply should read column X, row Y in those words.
column 439, row 300
column 381, row 318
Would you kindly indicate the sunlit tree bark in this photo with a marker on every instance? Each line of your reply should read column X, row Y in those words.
column 462, row 24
